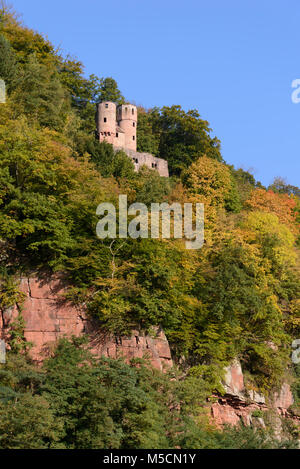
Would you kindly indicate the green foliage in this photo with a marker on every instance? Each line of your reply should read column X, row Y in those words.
column 257, row 414
column 296, row 389
column 241, row 305
column 78, row 402
column 179, row 137
column 145, row 288
column 237, row 296
column 147, row 134
column 8, row 64
column 109, row 91
column 281, row 186
column 84, row 92
column 27, row 423
column 250, row 438
column 109, row 162
column 39, row 94
column 245, row 182
column 150, row 187
column 233, row 199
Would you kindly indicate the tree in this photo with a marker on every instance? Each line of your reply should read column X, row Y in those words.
column 150, row 187
column 8, row 64
column 184, row 137
column 281, row 204
column 109, row 162
column 27, row 423
column 25, row 41
column 39, row 95
column 280, row 185
column 209, row 178
column 147, row 135
column 109, row 91
column 106, row 403
column 245, row 182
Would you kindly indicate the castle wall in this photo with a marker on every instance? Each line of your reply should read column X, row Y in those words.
column 117, row 126
column 141, row 159
column 119, row 139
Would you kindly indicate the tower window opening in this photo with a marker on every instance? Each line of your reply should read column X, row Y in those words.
column 104, row 119
column 133, row 138
column 117, row 135
column 133, row 124
column 106, row 105
column 132, row 111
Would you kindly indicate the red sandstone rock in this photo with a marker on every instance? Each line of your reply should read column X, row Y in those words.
column 284, row 398
column 224, row 414
column 234, row 379
column 49, row 317
column 234, row 406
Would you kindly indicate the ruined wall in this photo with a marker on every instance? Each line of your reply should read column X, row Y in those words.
column 118, row 126
column 140, row 159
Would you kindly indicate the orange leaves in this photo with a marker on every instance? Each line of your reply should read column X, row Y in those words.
column 281, row 205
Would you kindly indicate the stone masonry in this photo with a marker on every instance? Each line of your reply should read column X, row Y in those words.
column 117, row 125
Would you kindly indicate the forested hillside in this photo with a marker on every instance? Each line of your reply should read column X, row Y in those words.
column 238, row 296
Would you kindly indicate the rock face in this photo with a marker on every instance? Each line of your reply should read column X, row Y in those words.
column 283, row 399
column 234, row 379
column 246, row 405
column 49, row 317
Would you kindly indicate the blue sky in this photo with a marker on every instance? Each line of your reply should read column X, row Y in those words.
column 232, row 60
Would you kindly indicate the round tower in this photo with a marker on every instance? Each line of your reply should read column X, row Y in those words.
column 106, row 121
column 127, row 120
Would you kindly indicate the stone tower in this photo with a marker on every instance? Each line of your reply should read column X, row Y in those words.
column 127, row 121
column 106, row 121
column 117, row 125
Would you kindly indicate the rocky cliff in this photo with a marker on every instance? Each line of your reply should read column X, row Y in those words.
column 240, row 403
column 48, row 317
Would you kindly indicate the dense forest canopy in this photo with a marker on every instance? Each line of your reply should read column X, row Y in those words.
column 239, row 296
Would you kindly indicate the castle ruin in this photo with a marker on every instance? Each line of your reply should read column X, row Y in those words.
column 117, row 125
